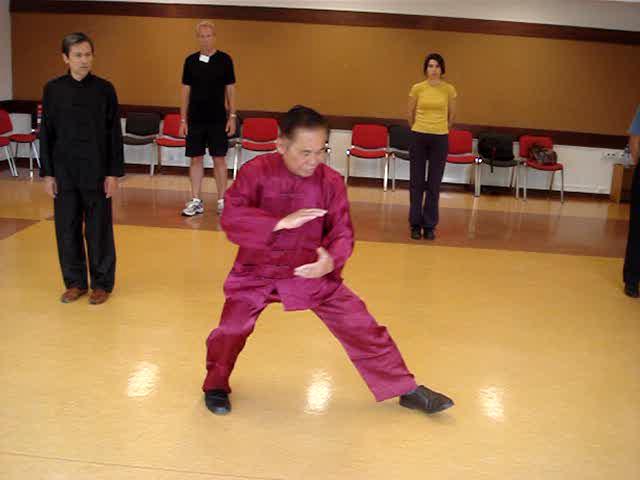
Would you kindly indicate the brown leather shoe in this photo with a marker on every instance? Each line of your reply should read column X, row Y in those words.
column 72, row 294
column 98, row 296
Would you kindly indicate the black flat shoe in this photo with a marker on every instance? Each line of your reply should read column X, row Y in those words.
column 426, row 400
column 416, row 233
column 631, row 290
column 429, row 234
column 217, row 401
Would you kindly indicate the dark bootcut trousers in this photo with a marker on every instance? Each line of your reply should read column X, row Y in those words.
column 631, row 272
column 368, row 345
column 424, row 196
column 73, row 210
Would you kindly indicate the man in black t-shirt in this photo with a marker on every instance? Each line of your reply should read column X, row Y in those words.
column 208, row 113
column 632, row 259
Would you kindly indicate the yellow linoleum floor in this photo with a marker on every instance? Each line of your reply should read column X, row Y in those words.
column 540, row 352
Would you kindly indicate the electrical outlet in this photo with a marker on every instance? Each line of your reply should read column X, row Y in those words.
column 613, row 156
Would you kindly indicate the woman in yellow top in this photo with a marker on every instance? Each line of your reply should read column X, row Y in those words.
column 432, row 107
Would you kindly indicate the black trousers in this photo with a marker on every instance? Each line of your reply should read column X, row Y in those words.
column 631, row 272
column 73, row 210
column 424, row 196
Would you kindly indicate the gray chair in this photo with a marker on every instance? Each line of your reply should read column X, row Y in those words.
column 497, row 152
column 141, row 129
column 399, row 142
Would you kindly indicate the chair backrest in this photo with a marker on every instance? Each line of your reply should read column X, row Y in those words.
column 460, row 142
column 38, row 119
column 367, row 135
column 495, row 146
column 258, row 129
column 528, row 141
column 5, row 122
column 171, row 125
column 400, row 137
column 142, row 123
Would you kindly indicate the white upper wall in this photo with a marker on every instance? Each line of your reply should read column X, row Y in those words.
column 6, row 75
column 617, row 15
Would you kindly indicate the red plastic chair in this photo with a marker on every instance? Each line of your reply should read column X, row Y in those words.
column 461, row 153
column 371, row 142
column 6, row 125
column 170, row 136
column 258, row 135
column 526, row 142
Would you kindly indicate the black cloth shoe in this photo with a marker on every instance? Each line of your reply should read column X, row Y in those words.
column 632, row 290
column 429, row 234
column 426, row 400
column 416, row 234
column 217, row 401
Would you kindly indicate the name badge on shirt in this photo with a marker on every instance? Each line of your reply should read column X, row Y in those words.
column 204, row 58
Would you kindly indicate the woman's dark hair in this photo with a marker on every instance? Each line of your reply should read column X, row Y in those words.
column 434, row 56
column 75, row 39
column 301, row 117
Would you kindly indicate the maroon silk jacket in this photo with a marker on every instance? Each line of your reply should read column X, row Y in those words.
column 264, row 192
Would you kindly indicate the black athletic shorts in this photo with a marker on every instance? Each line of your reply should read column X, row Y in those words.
column 207, row 135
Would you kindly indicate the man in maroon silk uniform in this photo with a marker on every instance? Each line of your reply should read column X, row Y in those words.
column 289, row 214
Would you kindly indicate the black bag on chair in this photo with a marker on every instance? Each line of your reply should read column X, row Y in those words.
column 496, row 149
column 542, row 155
column 495, row 146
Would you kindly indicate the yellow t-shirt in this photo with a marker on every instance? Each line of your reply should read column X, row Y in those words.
column 432, row 107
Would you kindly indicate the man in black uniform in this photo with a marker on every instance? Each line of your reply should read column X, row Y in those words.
column 632, row 258
column 207, row 91
column 81, row 157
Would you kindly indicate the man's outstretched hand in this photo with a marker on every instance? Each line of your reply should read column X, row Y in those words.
column 317, row 269
column 299, row 218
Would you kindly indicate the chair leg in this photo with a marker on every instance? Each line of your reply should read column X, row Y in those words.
column 15, row 166
column 393, row 178
column 526, row 178
column 152, row 165
column 30, row 163
column 35, row 152
column 12, row 166
column 386, row 173
column 513, row 171
column 236, row 158
column 346, row 171
column 562, row 186
column 159, row 156
column 553, row 175
column 476, row 171
column 16, row 150
column 14, row 159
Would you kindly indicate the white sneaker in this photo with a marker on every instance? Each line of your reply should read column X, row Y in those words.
column 220, row 206
column 194, row 207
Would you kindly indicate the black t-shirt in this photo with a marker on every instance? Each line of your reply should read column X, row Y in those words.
column 208, row 81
